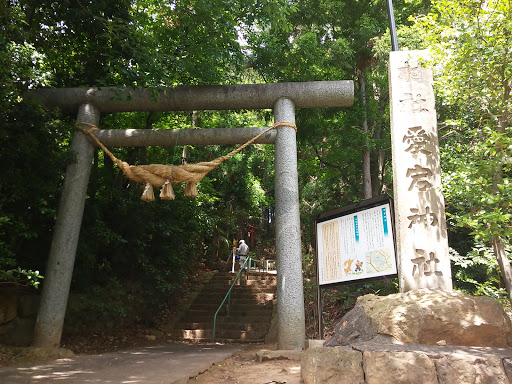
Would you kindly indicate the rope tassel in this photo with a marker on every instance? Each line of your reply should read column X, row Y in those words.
column 191, row 189
column 148, row 194
column 167, row 192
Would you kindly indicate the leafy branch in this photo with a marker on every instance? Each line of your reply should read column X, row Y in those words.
column 21, row 277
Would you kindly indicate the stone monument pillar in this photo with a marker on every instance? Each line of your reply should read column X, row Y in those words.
column 420, row 223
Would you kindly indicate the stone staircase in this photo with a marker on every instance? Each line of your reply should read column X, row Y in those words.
column 250, row 313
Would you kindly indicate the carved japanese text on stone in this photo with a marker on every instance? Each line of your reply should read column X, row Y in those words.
column 425, row 265
column 417, row 141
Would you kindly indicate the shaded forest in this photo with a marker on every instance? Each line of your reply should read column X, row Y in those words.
column 136, row 257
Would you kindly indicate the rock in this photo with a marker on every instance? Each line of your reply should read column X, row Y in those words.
column 470, row 370
column 507, row 364
column 332, row 365
column 398, row 367
column 314, row 343
column 8, row 306
column 425, row 316
column 265, row 355
column 355, row 326
column 49, row 353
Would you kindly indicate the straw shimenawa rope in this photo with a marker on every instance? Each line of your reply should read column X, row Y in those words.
column 161, row 175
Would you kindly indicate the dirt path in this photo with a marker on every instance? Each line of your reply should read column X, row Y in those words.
column 245, row 368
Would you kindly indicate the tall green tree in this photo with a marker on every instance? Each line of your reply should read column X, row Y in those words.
column 471, row 47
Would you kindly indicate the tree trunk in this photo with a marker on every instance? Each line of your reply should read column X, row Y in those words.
column 378, row 154
column 367, row 176
column 497, row 243
column 504, row 263
column 193, row 125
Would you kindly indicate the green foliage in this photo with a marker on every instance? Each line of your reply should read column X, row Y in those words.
column 20, row 276
column 472, row 42
column 102, row 306
column 476, row 272
column 471, row 58
column 468, row 178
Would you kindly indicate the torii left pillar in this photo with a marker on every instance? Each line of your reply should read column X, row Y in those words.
column 54, row 297
column 291, row 326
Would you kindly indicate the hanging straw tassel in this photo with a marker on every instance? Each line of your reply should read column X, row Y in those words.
column 148, row 194
column 191, row 189
column 167, row 193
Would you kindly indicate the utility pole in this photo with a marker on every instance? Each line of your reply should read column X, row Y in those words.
column 392, row 26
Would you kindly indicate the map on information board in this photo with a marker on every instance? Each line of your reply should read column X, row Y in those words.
column 356, row 245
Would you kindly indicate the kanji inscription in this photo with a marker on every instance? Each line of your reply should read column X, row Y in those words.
column 415, row 102
column 426, row 217
column 425, row 266
column 417, row 141
column 419, row 176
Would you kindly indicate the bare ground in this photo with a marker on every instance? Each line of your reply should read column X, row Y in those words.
column 244, row 368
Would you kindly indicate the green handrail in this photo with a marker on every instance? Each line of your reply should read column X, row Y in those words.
column 228, row 295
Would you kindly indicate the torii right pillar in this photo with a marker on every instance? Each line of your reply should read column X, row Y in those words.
column 420, row 222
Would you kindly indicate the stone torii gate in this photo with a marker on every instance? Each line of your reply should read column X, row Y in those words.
column 283, row 98
column 420, row 222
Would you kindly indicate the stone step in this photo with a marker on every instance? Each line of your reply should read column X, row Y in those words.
column 224, row 325
column 238, row 297
column 206, row 334
column 250, row 313
column 252, row 276
column 242, row 300
column 255, row 289
column 236, row 305
column 227, row 284
column 234, row 312
column 244, row 279
column 261, row 283
column 261, row 276
column 222, row 318
column 238, row 292
column 222, row 340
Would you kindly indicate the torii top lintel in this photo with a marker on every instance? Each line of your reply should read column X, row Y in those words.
column 315, row 94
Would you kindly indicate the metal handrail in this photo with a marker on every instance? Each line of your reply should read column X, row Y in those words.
column 228, row 295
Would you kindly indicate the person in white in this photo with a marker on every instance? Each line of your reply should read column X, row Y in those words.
column 242, row 251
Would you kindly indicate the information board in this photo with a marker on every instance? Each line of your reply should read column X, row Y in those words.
column 356, row 242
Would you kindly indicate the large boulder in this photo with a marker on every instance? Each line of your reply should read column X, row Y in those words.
column 427, row 316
